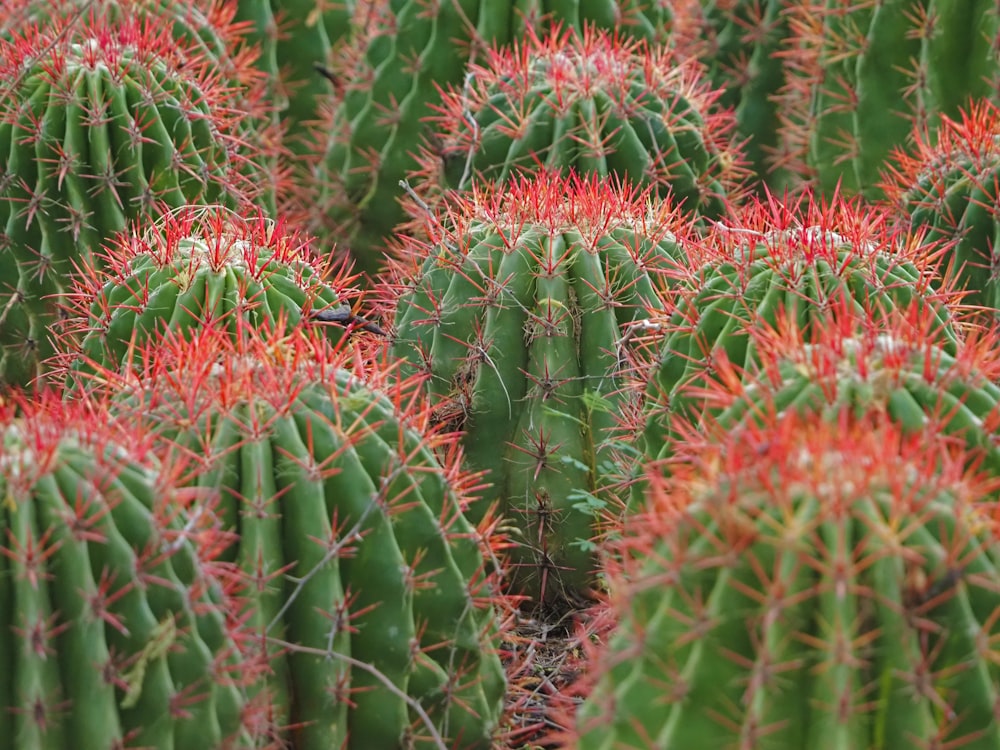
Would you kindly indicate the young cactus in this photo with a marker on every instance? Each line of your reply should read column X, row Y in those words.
column 199, row 266
column 518, row 311
column 892, row 363
column 105, row 118
column 596, row 103
column 113, row 631
column 801, row 259
column 950, row 186
column 366, row 587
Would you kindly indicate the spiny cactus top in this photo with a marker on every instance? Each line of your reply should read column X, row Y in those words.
column 113, row 630
column 518, row 311
column 595, row 102
column 197, row 266
column 950, row 184
column 104, row 118
column 892, row 363
column 806, row 584
column 366, row 586
column 772, row 259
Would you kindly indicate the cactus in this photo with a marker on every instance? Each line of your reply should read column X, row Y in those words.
column 517, row 311
column 861, row 75
column 891, row 363
column 800, row 258
column 113, row 630
column 366, row 586
column 950, row 186
column 594, row 103
column 738, row 41
column 387, row 80
column 198, row 266
column 103, row 120
column 805, row 583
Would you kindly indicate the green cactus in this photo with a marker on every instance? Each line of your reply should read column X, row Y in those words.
column 388, row 80
column 366, row 586
column 805, row 583
column 518, row 312
column 862, row 75
column 893, row 363
column 198, row 266
column 104, row 119
column 594, row 103
column 113, row 631
column 738, row 41
column 801, row 259
column 950, row 186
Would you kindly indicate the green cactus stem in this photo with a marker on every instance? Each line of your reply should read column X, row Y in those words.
column 950, row 186
column 198, row 266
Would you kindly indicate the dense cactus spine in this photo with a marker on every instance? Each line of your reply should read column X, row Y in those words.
column 894, row 363
column 198, row 266
column 366, row 587
column 113, row 630
column 805, row 583
column 517, row 311
column 104, row 118
column 949, row 185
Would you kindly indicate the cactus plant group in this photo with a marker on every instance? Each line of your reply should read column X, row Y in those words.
column 460, row 374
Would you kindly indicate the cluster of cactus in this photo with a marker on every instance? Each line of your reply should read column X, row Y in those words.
column 366, row 589
column 516, row 311
column 805, row 583
column 758, row 433
column 104, row 119
column 388, row 77
column 803, row 260
column 113, row 630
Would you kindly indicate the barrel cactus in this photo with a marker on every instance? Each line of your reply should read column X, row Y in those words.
column 950, row 186
column 388, row 79
column 198, row 266
column 892, row 363
column 366, row 587
column 105, row 118
column 113, row 629
column 738, row 40
column 806, row 583
column 861, row 75
column 800, row 258
column 518, row 311
column 595, row 103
